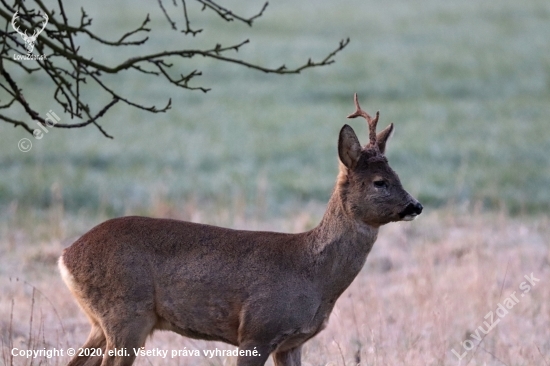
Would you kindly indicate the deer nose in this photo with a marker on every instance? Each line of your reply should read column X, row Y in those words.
column 412, row 210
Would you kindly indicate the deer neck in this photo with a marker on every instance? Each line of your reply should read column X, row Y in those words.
column 339, row 247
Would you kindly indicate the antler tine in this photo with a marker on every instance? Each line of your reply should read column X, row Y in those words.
column 370, row 121
column 36, row 33
column 15, row 27
column 13, row 19
column 45, row 16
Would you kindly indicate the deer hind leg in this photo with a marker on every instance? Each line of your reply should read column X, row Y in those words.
column 126, row 334
column 259, row 351
column 292, row 357
column 96, row 341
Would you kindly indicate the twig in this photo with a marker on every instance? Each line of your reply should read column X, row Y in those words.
column 68, row 69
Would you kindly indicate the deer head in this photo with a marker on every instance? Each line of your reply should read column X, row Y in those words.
column 371, row 190
column 29, row 40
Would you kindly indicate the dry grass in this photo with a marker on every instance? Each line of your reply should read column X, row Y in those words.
column 426, row 287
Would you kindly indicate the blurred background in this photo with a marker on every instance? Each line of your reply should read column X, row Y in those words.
column 467, row 85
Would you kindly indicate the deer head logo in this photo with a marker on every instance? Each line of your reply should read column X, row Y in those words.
column 29, row 40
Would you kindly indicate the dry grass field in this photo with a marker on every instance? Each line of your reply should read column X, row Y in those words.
column 427, row 287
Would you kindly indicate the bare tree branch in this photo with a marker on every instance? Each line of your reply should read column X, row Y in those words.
column 227, row 14
column 16, row 123
column 68, row 69
column 188, row 29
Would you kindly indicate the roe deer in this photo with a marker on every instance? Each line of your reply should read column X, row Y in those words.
column 265, row 292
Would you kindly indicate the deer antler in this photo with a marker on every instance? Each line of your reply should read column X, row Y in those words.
column 370, row 121
column 45, row 16
column 15, row 27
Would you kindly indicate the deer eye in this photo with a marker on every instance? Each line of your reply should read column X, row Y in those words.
column 380, row 184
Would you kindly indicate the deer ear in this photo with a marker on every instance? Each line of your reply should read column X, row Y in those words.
column 383, row 137
column 349, row 148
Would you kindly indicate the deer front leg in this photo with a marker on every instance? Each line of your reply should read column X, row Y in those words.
column 292, row 357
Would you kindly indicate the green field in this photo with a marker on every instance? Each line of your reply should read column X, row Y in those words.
column 467, row 86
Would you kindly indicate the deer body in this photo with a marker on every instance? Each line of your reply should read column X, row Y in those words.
column 262, row 291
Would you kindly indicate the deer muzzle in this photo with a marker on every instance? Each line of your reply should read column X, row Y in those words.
column 410, row 212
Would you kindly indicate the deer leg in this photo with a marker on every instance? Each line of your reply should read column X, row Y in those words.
column 127, row 334
column 261, row 352
column 95, row 340
column 291, row 357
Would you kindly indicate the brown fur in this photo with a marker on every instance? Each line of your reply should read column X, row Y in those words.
column 255, row 290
